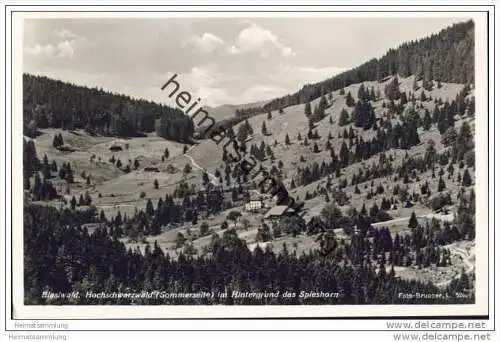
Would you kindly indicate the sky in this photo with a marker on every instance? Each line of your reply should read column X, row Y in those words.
column 220, row 60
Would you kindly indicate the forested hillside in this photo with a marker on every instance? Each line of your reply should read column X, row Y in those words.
column 56, row 104
column 445, row 57
column 98, row 262
column 383, row 166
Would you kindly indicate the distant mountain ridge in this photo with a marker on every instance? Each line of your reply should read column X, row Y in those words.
column 227, row 111
column 447, row 56
column 51, row 103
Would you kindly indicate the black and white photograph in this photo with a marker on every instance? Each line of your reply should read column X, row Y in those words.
column 290, row 162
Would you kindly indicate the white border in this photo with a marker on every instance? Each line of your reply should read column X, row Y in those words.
column 57, row 312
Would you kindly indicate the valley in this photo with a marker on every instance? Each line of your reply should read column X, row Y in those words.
column 113, row 191
column 381, row 166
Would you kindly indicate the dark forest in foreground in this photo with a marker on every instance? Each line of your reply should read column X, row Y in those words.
column 60, row 256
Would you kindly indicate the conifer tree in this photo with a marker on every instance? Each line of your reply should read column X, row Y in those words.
column 373, row 97
column 441, row 185
column 344, row 155
column 466, row 179
column 323, row 104
column 264, row 128
column 315, row 148
column 344, row 117
column 349, row 101
column 413, row 223
column 427, row 122
column 69, row 174
column 73, row 203
column 362, row 93
column 307, row 110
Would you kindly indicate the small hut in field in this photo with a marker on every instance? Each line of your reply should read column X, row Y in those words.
column 115, row 147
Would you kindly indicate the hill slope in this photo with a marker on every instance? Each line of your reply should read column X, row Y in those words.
column 447, row 57
column 384, row 163
column 49, row 103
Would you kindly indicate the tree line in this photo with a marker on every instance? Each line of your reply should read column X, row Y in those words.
column 444, row 57
column 62, row 256
column 56, row 104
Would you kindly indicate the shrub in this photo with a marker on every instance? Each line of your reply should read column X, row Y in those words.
column 439, row 201
column 204, row 229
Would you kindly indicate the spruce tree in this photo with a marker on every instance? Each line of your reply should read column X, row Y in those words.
column 423, row 98
column 349, row 101
column 73, row 202
column 361, row 92
column 344, row 117
column 323, row 104
column 441, row 185
column 315, row 148
column 466, row 179
column 307, row 110
column 427, row 122
column 287, row 140
column 264, row 128
column 363, row 211
column 344, row 155
column 55, row 141
column 69, row 174
column 150, row 210
column 37, row 186
column 373, row 97
column 87, row 198
column 413, row 223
